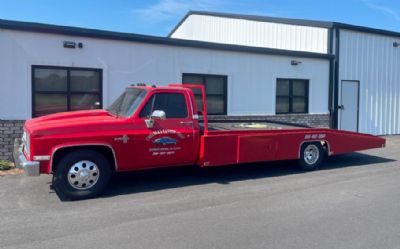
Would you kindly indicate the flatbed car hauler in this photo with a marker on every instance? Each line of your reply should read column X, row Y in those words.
column 152, row 127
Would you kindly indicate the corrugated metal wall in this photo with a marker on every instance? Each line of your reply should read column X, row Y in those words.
column 375, row 62
column 253, row 33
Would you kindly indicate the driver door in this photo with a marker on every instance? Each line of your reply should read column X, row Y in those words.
column 171, row 141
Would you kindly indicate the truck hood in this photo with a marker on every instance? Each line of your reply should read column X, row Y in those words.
column 68, row 122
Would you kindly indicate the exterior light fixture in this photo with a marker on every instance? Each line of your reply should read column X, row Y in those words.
column 69, row 44
column 396, row 44
column 295, row 63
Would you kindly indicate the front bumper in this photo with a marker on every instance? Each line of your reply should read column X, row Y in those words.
column 31, row 168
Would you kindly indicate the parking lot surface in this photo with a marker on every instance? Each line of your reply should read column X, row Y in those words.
column 352, row 202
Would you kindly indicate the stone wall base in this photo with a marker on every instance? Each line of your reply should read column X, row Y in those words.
column 9, row 131
column 309, row 120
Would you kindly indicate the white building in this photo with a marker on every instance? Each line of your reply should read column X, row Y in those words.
column 364, row 74
column 254, row 68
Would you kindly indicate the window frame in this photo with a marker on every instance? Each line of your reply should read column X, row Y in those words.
column 224, row 94
column 68, row 91
column 291, row 96
column 150, row 97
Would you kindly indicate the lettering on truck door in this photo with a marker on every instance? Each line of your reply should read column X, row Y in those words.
column 169, row 141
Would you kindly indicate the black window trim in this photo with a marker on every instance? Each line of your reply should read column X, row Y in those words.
column 291, row 95
column 68, row 92
column 225, row 93
column 161, row 92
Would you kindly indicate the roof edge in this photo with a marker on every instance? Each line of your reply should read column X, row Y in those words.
column 366, row 29
column 70, row 30
column 299, row 22
column 179, row 23
column 111, row 35
column 291, row 21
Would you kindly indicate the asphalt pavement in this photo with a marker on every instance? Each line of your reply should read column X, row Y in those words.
column 352, row 202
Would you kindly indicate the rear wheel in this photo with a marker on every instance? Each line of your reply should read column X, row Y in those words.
column 311, row 156
column 81, row 174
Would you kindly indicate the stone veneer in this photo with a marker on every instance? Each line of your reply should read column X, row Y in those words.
column 12, row 129
column 9, row 131
column 309, row 120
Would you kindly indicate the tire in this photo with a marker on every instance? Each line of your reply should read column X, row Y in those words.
column 81, row 174
column 311, row 156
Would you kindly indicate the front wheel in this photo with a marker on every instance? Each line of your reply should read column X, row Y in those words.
column 311, row 156
column 81, row 174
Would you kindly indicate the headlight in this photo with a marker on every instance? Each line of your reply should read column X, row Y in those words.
column 25, row 140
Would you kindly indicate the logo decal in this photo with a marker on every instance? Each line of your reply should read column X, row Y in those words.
column 164, row 132
column 165, row 141
column 124, row 139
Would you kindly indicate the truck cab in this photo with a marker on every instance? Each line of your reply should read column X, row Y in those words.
column 162, row 131
column 145, row 127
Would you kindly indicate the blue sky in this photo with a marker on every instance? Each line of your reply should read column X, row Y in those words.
column 158, row 17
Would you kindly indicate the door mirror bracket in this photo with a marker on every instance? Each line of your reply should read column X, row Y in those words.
column 156, row 115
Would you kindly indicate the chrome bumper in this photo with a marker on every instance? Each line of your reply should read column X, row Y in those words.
column 31, row 168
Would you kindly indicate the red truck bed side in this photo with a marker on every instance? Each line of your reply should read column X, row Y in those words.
column 232, row 147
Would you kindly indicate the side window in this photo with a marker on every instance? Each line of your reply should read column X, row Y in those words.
column 173, row 104
column 61, row 89
column 291, row 96
column 145, row 112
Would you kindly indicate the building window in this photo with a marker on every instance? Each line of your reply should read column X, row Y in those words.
column 216, row 91
column 61, row 89
column 291, row 96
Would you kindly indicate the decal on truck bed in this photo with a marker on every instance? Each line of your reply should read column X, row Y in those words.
column 314, row 136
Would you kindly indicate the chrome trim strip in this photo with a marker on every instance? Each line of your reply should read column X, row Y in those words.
column 191, row 105
column 41, row 158
column 82, row 145
column 31, row 168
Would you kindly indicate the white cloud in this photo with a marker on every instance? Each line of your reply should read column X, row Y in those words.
column 168, row 9
column 383, row 9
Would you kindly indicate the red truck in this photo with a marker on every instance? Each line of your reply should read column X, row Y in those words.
column 152, row 127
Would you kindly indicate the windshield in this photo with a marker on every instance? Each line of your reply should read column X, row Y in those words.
column 126, row 104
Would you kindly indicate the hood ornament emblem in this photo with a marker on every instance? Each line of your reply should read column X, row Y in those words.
column 124, row 139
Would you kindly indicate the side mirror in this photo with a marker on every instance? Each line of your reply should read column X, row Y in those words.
column 156, row 115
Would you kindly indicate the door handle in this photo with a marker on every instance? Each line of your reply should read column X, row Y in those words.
column 340, row 107
column 187, row 122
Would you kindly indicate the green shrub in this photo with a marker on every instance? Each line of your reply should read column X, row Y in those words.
column 5, row 165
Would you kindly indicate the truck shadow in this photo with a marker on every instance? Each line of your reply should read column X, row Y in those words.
column 168, row 178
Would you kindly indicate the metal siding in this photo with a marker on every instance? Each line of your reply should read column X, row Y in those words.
column 253, row 33
column 373, row 60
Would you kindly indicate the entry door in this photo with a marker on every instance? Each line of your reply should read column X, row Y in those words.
column 349, row 105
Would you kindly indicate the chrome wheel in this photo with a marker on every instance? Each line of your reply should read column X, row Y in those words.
column 311, row 154
column 83, row 175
